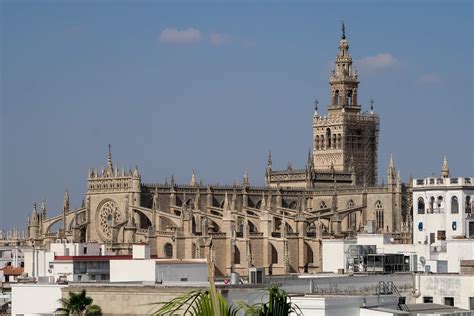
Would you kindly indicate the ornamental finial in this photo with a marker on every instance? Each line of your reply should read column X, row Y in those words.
column 343, row 30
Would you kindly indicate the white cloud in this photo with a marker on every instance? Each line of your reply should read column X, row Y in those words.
column 430, row 78
column 218, row 39
column 175, row 36
column 380, row 61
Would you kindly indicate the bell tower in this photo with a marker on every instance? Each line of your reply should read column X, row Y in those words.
column 344, row 81
column 346, row 139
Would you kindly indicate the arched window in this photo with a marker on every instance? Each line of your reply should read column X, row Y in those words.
column 328, row 138
column 339, row 143
column 454, row 205
column 421, row 205
column 431, row 206
column 274, row 255
column 334, row 141
column 440, row 200
column 236, row 255
column 322, row 205
column 168, row 250
column 336, row 97
column 379, row 214
column 350, row 204
column 468, row 205
column 316, row 143
column 349, row 97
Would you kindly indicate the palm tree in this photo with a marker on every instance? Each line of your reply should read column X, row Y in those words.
column 279, row 304
column 77, row 304
column 198, row 303
column 94, row 310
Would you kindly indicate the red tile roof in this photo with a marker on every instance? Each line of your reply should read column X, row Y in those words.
column 13, row 271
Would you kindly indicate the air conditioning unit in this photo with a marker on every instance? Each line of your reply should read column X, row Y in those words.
column 256, row 275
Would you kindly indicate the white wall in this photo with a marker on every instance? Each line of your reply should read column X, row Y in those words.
column 63, row 268
column 312, row 305
column 193, row 272
column 157, row 271
column 333, row 254
column 75, row 249
column 132, row 270
column 442, row 218
column 35, row 299
column 439, row 286
column 39, row 265
column 327, row 306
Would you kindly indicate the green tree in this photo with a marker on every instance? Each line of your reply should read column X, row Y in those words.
column 278, row 304
column 198, row 303
column 78, row 304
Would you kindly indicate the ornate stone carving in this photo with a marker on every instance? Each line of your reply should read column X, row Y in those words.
column 109, row 214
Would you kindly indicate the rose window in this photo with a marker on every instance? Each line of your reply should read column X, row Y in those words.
column 109, row 215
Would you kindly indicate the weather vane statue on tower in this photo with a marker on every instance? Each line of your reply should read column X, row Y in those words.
column 343, row 30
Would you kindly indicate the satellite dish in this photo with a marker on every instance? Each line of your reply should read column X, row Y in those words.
column 422, row 260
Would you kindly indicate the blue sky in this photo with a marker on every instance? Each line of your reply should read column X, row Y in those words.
column 213, row 87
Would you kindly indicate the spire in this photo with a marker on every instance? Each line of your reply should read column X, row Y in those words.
column 136, row 173
column 226, row 203
column 34, row 214
column 316, row 102
column 66, row 202
column 343, row 31
column 391, row 165
column 344, row 80
column 310, row 158
column 110, row 167
column 172, row 180
column 197, row 200
column 445, row 168
column 371, row 106
column 193, row 179
column 234, row 198
column 269, row 162
column 155, row 200
column 43, row 210
column 263, row 202
column 245, row 180
column 109, row 157
column 391, row 171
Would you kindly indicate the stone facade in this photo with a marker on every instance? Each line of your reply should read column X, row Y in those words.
column 278, row 226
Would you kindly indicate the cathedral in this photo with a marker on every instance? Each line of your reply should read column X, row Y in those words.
column 278, row 226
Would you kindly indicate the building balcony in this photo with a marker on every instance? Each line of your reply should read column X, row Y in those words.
column 446, row 182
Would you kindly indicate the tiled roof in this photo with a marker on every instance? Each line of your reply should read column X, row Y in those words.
column 11, row 270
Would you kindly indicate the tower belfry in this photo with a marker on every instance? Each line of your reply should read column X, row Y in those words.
column 344, row 80
column 346, row 138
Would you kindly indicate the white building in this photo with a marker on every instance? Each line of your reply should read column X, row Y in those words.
column 442, row 208
column 35, row 299
column 443, row 219
column 339, row 254
column 40, row 262
column 142, row 268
